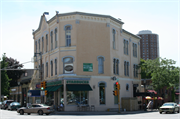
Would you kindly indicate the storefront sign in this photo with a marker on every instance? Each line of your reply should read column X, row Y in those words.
column 78, row 82
column 38, row 85
column 54, row 83
column 88, row 67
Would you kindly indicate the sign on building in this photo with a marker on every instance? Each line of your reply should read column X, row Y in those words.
column 88, row 67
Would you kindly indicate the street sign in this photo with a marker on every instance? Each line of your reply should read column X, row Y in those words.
column 42, row 93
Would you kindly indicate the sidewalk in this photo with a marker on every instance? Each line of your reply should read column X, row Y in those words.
column 102, row 113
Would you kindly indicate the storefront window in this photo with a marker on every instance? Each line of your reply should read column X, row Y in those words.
column 77, row 97
column 102, row 93
column 50, row 98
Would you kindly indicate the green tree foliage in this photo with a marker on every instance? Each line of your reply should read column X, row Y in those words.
column 163, row 73
column 144, row 73
column 14, row 74
column 4, row 77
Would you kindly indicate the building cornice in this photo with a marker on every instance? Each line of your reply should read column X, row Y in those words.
column 131, row 34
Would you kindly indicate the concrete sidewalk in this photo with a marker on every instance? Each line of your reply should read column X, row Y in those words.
column 101, row 113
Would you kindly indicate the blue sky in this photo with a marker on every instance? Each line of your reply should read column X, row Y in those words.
column 19, row 17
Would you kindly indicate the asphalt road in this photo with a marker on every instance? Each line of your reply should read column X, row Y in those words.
column 5, row 114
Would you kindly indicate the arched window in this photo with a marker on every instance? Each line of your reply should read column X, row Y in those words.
column 102, row 93
column 100, row 65
column 51, row 40
column 68, row 65
column 68, row 35
column 46, row 42
column 55, row 38
column 46, row 69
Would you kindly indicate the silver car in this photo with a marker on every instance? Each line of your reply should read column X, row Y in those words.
column 36, row 108
column 169, row 107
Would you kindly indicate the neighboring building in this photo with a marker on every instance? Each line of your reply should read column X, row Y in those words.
column 149, row 44
column 19, row 93
column 81, row 53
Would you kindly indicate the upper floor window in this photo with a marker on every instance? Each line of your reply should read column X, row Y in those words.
column 39, row 44
column 100, row 65
column 55, row 38
column 43, row 44
column 36, row 46
column 46, row 42
column 126, row 68
column 51, row 68
column 51, row 40
column 68, row 35
column 135, row 70
column 46, row 69
column 114, row 42
column 116, row 66
column 134, row 49
column 127, row 87
column 126, row 47
column 68, row 65
column 55, row 66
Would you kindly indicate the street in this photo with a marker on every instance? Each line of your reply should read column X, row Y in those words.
column 5, row 114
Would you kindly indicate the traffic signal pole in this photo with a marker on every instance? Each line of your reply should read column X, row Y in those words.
column 119, row 100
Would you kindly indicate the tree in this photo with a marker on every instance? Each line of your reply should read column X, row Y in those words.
column 14, row 74
column 4, row 77
column 143, row 66
column 163, row 73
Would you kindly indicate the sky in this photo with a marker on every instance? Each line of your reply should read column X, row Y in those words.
column 19, row 17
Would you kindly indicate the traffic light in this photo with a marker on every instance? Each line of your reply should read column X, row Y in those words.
column 46, row 92
column 117, row 86
column 115, row 92
column 42, row 84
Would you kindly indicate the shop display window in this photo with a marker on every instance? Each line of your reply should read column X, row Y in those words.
column 102, row 93
column 77, row 97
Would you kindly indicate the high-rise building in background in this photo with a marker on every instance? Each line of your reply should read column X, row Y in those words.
column 149, row 44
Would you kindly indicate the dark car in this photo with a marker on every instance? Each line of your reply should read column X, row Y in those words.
column 14, row 106
column 6, row 103
column 36, row 108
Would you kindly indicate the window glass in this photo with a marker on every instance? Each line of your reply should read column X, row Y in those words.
column 100, row 65
column 127, row 87
column 68, row 60
column 68, row 36
column 102, row 93
column 77, row 97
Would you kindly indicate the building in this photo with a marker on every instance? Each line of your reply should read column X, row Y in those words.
column 83, row 55
column 149, row 44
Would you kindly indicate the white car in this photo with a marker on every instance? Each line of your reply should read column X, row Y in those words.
column 169, row 107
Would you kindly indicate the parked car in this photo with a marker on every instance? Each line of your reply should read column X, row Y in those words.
column 6, row 103
column 36, row 108
column 169, row 107
column 14, row 106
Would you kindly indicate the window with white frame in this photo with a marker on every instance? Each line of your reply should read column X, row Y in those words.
column 68, row 35
column 134, row 49
column 116, row 66
column 55, row 66
column 114, row 42
column 42, row 44
column 135, row 70
column 46, row 42
column 39, row 45
column 51, row 67
column 126, row 68
column 100, row 65
column 126, row 47
column 46, row 69
column 51, row 40
column 55, row 38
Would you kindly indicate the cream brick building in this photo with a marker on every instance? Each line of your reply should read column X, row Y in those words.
column 81, row 53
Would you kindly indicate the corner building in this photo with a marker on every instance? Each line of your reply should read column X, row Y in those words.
column 81, row 53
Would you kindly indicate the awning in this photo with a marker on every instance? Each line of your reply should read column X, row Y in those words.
column 53, row 88
column 79, row 87
column 152, row 91
column 34, row 93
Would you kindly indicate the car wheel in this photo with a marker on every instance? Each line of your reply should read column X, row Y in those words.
column 160, row 112
column 40, row 112
column 21, row 112
column 11, row 109
column 178, row 111
column 29, row 113
column 47, row 113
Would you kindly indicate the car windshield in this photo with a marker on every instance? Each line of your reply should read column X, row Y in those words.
column 168, row 104
column 16, row 103
column 43, row 104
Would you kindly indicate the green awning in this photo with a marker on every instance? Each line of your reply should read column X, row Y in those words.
column 79, row 87
column 54, row 88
